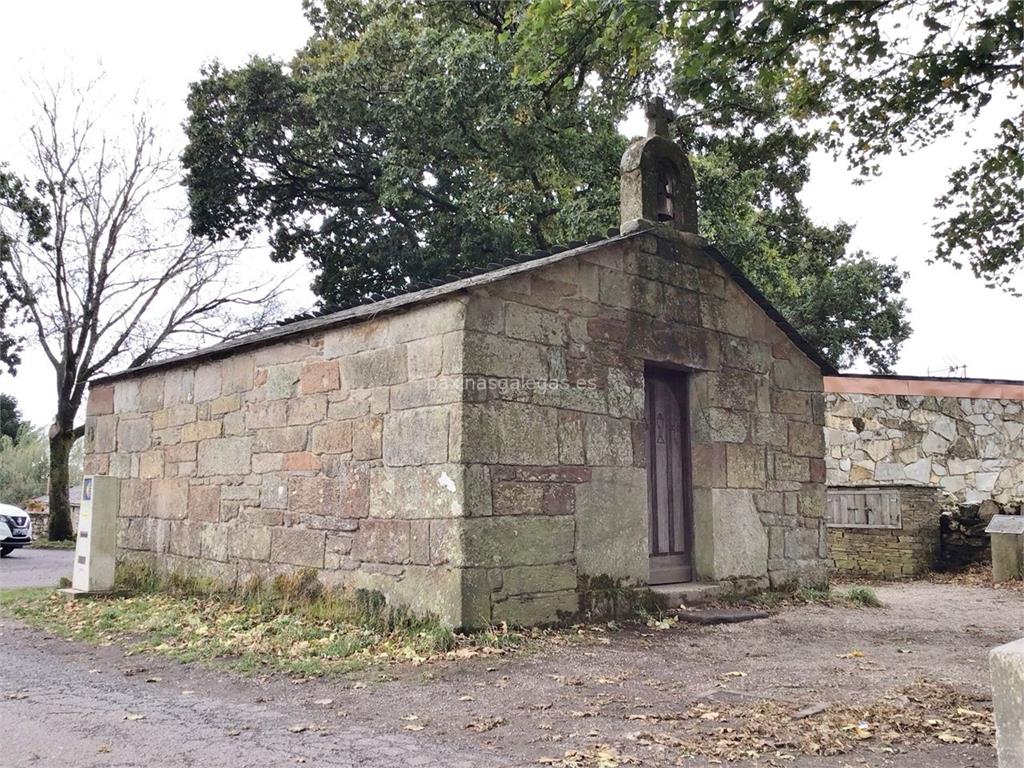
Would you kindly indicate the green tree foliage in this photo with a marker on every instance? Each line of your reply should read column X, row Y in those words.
column 865, row 78
column 10, row 417
column 408, row 139
column 24, row 465
column 397, row 145
column 14, row 194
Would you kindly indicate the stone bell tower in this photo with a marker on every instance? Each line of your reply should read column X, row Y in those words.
column 657, row 184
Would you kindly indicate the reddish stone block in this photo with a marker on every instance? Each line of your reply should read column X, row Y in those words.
column 204, row 503
column 301, row 462
column 101, row 401
column 817, row 470
column 559, row 500
column 367, row 438
column 319, row 376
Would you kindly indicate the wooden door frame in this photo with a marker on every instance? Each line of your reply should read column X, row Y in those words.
column 679, row 381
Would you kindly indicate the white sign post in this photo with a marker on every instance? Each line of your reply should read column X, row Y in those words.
column 97, row 536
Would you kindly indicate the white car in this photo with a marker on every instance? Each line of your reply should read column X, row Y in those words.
column 15, row 529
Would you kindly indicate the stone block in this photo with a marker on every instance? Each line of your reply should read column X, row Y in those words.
column 728, row 426
column 426, row 320
column 105, row 434
column 319, row 376
column 367, row 438
column 331, row 438
column 416, row 437
column 424, row 356
column 297, row 546
column 611, row 524
column 352, row 339
column 200, row 430
column 533, row 324
column 382, row 541
column 178, row 383
column 609, row 442
column 570, row 438
column 517, row 540
column 1006, row 664
column 510, row 498
column 249, row 542
column 206, row 385
column 528, row 579
column 225, row 456
column 733, row 389
column 806, row 439
column 266, row 414
column 274, row 491
column 535, row 610
column 151, row 464
column 169, row 498
column 133, row 435
column 278, row 382
column 126, row 396
column 490, row 355
column 745, row 466
column 185, row 539
column 307, row 410
column 509, row 433
column 204, row 503
column 375, row 368
column 301, row 461
column 416, row 492
column 135, row 498
column 281, row 439
column 101, row 400
column 237, row 374
column 213, row 542
column 313, row 495
column 738, row 541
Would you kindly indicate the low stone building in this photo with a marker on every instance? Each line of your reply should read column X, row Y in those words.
column 629, row 407
column 923, row 445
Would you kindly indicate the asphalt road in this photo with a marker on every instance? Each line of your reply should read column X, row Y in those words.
column 29, row 567
column 106, row 711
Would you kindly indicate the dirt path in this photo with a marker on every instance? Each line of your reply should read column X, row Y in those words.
column 603, row 694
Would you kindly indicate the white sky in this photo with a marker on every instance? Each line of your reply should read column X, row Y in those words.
column 158, row 48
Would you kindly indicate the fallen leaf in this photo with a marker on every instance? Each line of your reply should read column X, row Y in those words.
column 851, row 655
column 131, row 716
column 297, row 728
column 413, row 727
column 323, row 702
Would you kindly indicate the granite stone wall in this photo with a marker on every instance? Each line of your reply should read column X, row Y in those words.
column 892, row 553
column 561, row 470
column 476, row 456
column 972, row 448
column 338, row 451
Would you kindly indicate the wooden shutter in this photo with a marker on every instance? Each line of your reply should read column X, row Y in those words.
column 864, row 508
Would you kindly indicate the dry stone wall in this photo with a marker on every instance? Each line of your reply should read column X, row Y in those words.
column 972, row 448
column 892, row 553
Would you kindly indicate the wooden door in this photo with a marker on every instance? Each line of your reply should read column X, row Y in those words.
column 668, row 477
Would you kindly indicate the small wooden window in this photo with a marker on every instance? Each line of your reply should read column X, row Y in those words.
column 864, row 508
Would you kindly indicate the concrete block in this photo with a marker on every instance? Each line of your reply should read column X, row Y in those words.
column 1006, row 664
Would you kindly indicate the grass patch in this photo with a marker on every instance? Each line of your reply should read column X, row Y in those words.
column 43, row 543
column 860, row 597
column 290, row 624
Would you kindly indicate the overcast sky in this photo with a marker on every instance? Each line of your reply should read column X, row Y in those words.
column 158, row 48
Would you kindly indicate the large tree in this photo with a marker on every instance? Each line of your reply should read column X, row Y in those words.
column 865, row 78
column 408, row 139
column 104, row 274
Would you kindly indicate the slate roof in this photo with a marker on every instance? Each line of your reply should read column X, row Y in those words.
column 424, row 292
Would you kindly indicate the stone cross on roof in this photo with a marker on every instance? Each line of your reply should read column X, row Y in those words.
column 658, row 117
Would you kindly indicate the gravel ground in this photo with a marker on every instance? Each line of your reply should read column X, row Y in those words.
column 514, row 710
column 30, row 567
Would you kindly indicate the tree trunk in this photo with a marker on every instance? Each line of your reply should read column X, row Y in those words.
column 60, row 506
